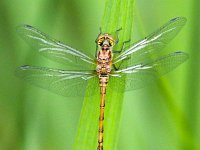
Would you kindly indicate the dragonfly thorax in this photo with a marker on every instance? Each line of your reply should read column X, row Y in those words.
column 104, row 61
column 105, row 44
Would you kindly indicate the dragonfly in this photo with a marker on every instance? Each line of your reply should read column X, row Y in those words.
column 134, row 66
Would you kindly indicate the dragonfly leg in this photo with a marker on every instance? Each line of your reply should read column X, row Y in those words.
column 117, row 34
column 123, row 46
column 96, row 51
column 100, row 32
column 118, row 67
column 115, row 68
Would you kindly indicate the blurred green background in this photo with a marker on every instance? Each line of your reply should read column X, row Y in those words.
column 164, row 116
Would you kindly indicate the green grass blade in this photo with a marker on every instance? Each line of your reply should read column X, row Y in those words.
column 117, row 14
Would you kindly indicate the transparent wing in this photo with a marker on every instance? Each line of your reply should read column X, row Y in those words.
column 55, row 50
column 141, row 75
column 150, row 47
column 62, row 82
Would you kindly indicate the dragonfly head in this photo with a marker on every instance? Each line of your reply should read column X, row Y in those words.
column 105, row 41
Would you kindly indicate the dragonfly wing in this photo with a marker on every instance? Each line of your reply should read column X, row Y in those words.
column 62, row 82
column 150, row 46
column 55, row 50
column 141, row 75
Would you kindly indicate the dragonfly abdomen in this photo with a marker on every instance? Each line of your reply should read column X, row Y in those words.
column 103, row 81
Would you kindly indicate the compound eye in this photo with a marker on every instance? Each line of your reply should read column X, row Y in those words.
column 111, row 43
column 100, row 41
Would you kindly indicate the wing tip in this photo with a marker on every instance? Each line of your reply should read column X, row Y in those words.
column 24, row 67
column 20, row 26
column 179, row 19
column 187, row 56
column 21, row 29
column 24, row 26
column 18, row 70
